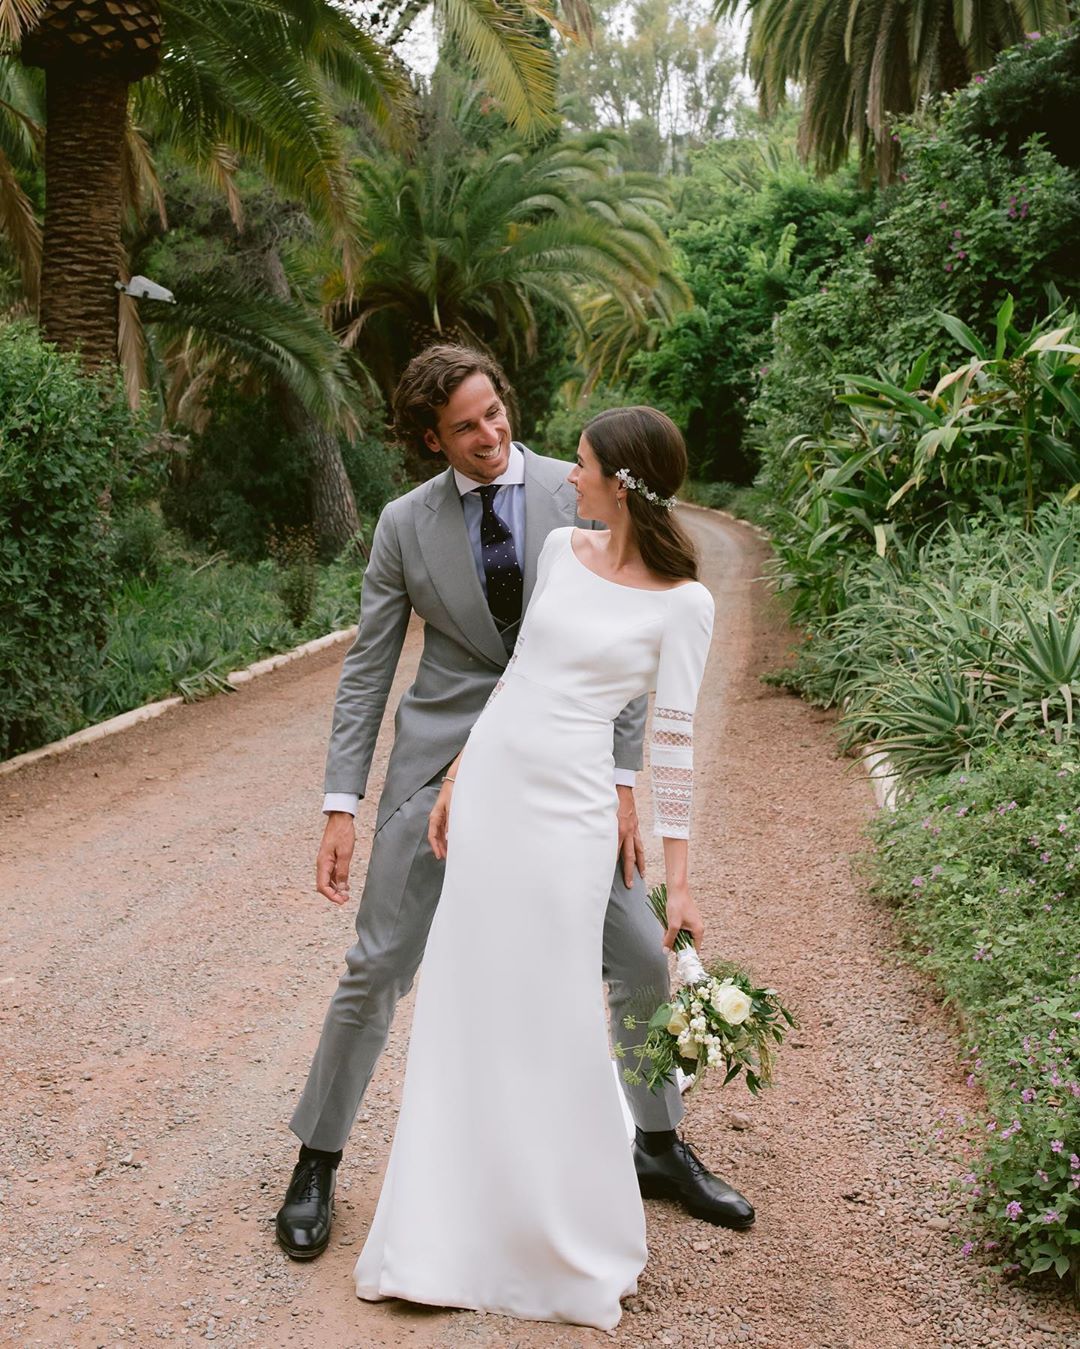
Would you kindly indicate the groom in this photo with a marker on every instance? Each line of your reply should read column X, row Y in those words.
column 460, row 551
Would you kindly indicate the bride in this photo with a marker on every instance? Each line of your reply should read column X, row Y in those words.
column 505, row 1191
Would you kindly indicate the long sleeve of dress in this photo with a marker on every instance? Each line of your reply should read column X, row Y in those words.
column 684, row 649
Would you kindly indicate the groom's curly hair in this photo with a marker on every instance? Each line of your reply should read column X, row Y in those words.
column 427, row 383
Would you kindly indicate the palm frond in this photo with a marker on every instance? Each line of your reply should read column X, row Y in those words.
column 19, row 226
column 519, row 70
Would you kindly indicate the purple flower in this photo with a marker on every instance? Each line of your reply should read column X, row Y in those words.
column 1057, row 1145
column 1044, row 857
column 1033, row 37
column 967, row 1248
column 1050, row 1216
column 1013, row 1211
column 948, row 266
column 943, row 205
column 990, row 1245
column 918, row 882
column 980, row 79
column 1027, row 1095
column 958, row 234
column 961, row 254
column 1074, row 1162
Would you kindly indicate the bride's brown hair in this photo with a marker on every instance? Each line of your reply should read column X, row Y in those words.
column 651, row 449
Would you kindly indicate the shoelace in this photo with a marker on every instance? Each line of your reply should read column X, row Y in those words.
column 306, row 1184
column 696, row 1164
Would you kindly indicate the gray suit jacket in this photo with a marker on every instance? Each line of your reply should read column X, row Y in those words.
column 421, row 562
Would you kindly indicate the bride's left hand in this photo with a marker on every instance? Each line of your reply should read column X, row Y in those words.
column 439, row 821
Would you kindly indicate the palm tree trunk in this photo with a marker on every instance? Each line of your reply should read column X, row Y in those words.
column 81, row 251
column 334, row 516
column 333, row 505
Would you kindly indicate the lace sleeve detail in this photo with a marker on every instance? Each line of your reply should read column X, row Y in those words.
column 684, row 649
column 672, row 758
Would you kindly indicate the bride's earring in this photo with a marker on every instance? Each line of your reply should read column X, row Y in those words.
column 618, row 502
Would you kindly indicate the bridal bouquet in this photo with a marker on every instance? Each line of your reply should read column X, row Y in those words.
column 715, row 1017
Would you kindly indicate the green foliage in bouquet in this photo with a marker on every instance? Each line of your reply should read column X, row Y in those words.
column 718, row 1017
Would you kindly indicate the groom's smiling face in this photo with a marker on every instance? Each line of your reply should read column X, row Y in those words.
column 473, row 431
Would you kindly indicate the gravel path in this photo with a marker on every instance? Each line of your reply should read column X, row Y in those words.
column 165, row 971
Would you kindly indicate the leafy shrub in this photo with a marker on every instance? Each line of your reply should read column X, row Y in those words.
column 965, row 638
column 715, row 495
column 66, row 441
column 559, row 434
column 244, row 477
column 294, row 553
column 138, row 541
column 967, row 221
column 199, row 618
column 1004, row 429
column 984, row 868
column 748, row 243
column 1032, row 89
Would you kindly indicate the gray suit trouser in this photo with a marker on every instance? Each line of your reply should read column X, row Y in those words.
column 403, row 885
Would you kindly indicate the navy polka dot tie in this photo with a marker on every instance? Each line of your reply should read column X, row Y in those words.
column 501, row 568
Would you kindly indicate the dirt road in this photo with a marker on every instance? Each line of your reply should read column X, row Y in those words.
column 165, row 970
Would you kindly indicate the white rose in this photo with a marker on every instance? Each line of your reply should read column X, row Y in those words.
column 732, row 1004
column 678, row 1022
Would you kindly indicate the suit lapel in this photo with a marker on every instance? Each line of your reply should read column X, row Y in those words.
column 444, row 542
column 547, row 507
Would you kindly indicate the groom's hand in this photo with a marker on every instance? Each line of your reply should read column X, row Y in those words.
column 631, row 848
column 335, row 857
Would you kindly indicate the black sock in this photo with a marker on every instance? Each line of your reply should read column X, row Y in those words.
column 314, row 1154
column 655, row 1141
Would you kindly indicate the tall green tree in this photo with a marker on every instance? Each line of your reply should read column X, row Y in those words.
column 659, row 71
column 861, row 64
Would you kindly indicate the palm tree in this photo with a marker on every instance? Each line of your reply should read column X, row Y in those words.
column 464, row 244
column 863, row 63
column 259, row 79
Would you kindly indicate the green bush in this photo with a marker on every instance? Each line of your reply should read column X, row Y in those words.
column 963, row 639
column 1032, row 89
column 138, row 541
column 66, row 443
column 968, row 221
column 298, row 578
column 984, row 868
column 244, row 477
column 199, row 618
column 748, row 243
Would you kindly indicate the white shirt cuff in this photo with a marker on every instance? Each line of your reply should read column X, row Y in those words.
column 625, row 777
column 347, row 801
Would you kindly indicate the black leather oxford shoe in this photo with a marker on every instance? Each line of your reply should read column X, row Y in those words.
column 679, row 1173
column 303, row 1221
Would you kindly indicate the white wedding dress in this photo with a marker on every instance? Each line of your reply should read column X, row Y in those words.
column 510, row 1186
